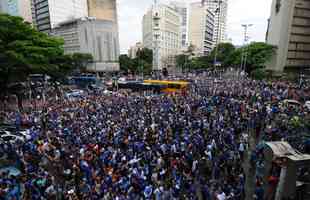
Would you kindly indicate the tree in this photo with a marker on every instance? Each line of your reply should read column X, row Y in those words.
column 224, row 52
column 143, row 62
column 125, row 63
column 258, row 54
column 198, row 63
column 81, row 60
column 24, row 50
column 181, row 61
column 145, row 54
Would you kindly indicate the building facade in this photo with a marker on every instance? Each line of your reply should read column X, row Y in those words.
column 132, row 52
column 90, row 35
column 289, row 30
column 201, row 28
column 169, row 32
column 181, row 8
column 103, row 9
column 47, row 14
column 220, row 25
column 20, row 8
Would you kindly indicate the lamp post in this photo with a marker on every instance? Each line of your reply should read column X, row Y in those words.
column 244, row 52
column 156, row 30
column 218, row 10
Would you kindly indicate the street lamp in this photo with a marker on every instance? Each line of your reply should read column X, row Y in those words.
column 218, row 10
column 244, row 52
column 156, row 29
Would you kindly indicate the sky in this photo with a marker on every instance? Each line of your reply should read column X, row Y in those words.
column 254, row 12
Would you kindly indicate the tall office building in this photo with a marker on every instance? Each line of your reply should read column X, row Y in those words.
column 201, row 28
column 169, row 31
column 103, row 9
column 220, row 18
column 95, row 36
column 181, row 8
column 20, row 8
column 49, row 13
column 289, row 30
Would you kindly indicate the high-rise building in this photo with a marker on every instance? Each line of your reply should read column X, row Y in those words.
column 169, row 25
column 220, row 18
column 132, row 52
column 20, row 8
column 94, row 36
column 103, row 9
column 181, row 8
column 201, row 28
column 49, row 13
column 289, row 30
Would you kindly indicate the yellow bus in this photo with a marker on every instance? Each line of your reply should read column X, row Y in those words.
column 170, row 86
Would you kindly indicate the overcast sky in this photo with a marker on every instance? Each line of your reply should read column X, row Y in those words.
column 239, row 12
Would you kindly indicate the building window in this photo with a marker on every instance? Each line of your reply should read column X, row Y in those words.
column 99, row 48
column 278, row 6
column 86, row 36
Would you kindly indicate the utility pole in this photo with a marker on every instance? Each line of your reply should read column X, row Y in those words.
column 156, row 30
column 244, row 52
column 218, row 10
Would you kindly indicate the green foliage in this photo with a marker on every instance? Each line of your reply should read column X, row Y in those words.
column 143, row 62
column 259, row 53
column 125, row 62
column 81, row 60
column 224, row 53
column 199, row 63
column 145, row 54
column 259, row 74
column 181, row 60
column 24, row 50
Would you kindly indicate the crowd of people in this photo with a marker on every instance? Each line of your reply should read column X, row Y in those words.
column 128, row 146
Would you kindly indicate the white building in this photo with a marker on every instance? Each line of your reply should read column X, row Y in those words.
column 169, row 31
column 20, row 8
column 49, row 13
column 220, row 25
column 133, row 50
column 289, row 30
column 90, row 35
column 201, row 28
column 181, row 8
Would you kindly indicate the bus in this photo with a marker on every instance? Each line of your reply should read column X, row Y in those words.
column 170, row 86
